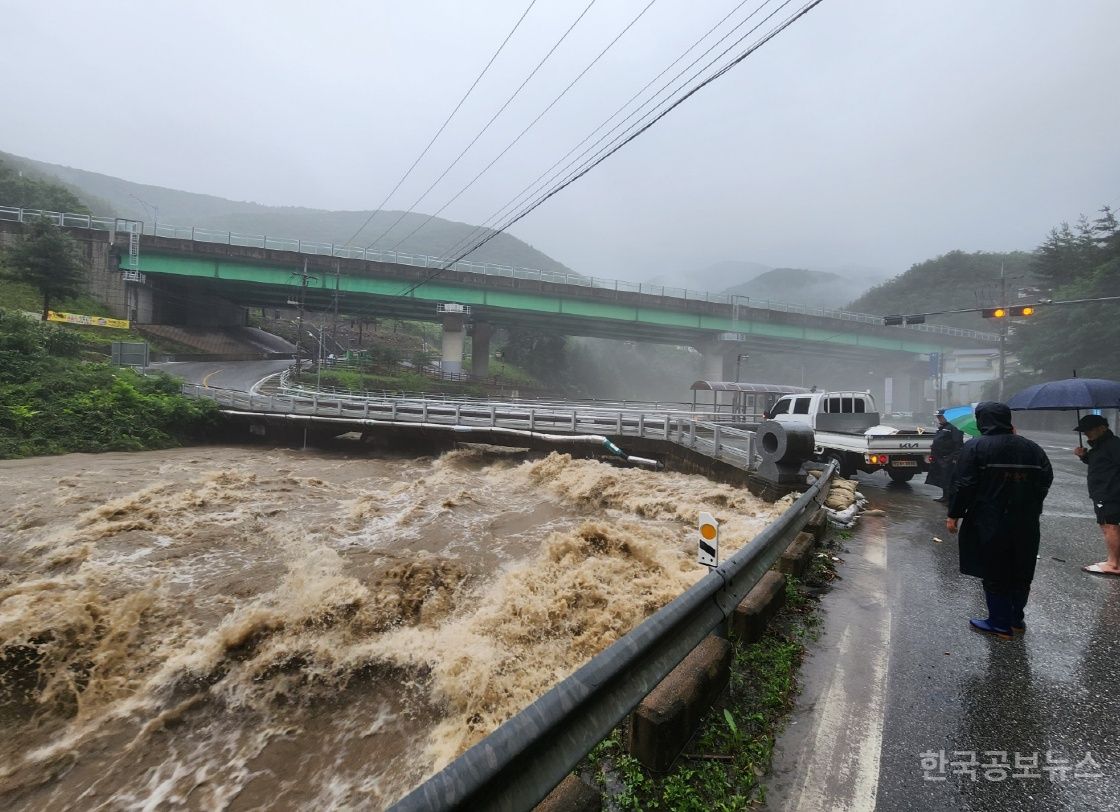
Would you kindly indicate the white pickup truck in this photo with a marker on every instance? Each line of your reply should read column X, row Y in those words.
column 846, row 428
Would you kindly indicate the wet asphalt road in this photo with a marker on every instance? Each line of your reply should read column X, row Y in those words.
column 898, row 673
column 239, row 375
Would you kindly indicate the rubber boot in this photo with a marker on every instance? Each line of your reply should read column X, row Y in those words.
column 998, row 622
column 1018, row 603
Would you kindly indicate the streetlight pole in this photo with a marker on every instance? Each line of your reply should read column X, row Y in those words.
column 739, row 363
column 147, row 205
column 1002, row 330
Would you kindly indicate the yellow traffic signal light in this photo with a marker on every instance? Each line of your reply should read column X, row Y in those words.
column 1004, row 312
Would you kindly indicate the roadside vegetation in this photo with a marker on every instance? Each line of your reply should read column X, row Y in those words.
column 724, row 767
column 52, row 402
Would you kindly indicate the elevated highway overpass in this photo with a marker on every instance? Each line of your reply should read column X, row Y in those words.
column 184, row 274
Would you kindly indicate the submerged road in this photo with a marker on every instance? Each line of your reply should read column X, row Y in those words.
column 900, row 696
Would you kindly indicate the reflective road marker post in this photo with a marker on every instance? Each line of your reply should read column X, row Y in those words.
column 708, row 554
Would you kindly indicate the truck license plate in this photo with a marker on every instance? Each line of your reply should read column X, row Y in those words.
column 904, row 464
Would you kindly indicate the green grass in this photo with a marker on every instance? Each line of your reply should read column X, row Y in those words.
column 21, row 296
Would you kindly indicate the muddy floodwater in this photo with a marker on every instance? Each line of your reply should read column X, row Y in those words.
column 244, row 628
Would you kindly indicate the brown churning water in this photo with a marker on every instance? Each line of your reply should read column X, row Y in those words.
column 231, row 628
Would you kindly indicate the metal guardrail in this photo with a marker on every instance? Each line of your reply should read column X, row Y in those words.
column 733, row 446
column 197, row 234
column 286, row 386
column 519, row 763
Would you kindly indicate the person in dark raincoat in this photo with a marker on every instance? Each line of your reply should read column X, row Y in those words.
column 943, row 451
column 1001, row 482
column 1104, row 486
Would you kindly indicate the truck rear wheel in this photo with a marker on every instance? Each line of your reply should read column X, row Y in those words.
column 900, row 476
column 841, row 468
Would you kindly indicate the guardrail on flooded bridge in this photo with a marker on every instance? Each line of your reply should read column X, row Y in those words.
column 730, row 445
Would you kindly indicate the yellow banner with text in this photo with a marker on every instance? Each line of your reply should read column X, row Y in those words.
column 90, row 321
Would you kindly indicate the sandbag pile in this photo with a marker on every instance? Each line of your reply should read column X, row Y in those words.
column 844, row 502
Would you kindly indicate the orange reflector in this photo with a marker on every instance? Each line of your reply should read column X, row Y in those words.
column 708, row 531
column 999, row 313
column 1028, row 311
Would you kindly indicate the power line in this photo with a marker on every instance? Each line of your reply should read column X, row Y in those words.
column 443, row 126
column 532, row 123
column 572, row 179
column 493, row 118
column 521, row 196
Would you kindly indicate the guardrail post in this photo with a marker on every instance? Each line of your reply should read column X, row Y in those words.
column 692, row 434
column 641, row 424
column 365, row 411
column 573, row 420
column 666, row 427
column 393, row 411
column 493, row 415
column 532, row 419
column 715, row 442
column 618, row 423
column 424, row 412
column 458, row 414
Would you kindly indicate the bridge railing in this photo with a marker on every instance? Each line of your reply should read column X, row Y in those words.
column 207, row 235
column 730, row 445
column 288, row 386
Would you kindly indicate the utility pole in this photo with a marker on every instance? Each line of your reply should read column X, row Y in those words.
column 334, row 318
column 299, row 318
column 1002, row 329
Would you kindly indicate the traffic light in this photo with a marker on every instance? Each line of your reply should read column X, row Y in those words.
column 912, row 318
column 1005, row 312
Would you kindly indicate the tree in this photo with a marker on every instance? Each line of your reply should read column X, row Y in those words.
column 47, row 259
column 1086, row 265
column 18, row 188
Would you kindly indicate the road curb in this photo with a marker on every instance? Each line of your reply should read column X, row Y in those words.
column 571, row 795
column 748, row 621
column 665, row 720
column 796, row 557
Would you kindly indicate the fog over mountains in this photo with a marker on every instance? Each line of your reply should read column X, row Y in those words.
column 105, row 194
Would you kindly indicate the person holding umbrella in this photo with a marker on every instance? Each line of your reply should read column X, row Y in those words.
column 1002, row 480
column 1103, row 460
column 943, row 453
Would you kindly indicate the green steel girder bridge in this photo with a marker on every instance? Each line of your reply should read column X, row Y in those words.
column 268, row 277
column 177, row 263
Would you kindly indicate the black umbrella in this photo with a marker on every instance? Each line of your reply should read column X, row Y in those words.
column 1069, row 395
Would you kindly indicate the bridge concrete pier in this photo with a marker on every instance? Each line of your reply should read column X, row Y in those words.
column 719, row 360
column 453, row 335
column 480, row 349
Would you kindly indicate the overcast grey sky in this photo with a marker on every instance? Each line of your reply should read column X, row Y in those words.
column 871, row 132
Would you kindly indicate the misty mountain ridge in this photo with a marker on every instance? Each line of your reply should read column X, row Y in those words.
column 801, row 286
column 108, row 195
column 810, row 287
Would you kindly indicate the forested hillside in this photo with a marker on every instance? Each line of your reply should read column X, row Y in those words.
column 951, row 281
column 29, row 190
column 1079, row 262
column 142, row 202
column 800, row 286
